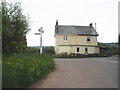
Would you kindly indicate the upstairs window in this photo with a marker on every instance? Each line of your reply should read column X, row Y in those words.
column 88, row 39
column 65, row 38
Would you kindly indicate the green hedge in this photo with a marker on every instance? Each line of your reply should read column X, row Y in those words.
column 22, row 70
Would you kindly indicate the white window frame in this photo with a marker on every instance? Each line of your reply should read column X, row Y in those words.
column 65, row 38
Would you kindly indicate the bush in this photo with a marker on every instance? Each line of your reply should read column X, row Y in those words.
column 22, row 70
column 73, row 55
column 110, row 48
column 49, row 50
column 62, row 55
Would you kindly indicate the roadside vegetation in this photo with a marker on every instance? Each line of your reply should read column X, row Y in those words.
column 21, row 66
column 23, row 70
column 46, row 49
column 109, row 49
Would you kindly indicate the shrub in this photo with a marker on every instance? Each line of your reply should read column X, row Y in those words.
column 73, row 55
column 22, row 70
column 62, row 55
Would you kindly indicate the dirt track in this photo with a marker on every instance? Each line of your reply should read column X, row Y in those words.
column 82, row 73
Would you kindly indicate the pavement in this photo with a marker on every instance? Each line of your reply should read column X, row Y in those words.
column 97, row 72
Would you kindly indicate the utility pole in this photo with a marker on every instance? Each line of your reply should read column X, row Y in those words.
column 41, row 31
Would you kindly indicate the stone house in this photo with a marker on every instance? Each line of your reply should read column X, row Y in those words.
column 76, row 39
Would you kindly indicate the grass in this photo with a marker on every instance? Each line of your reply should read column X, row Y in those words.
column 22, row 70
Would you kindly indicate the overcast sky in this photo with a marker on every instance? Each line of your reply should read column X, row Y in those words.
column 43, row 13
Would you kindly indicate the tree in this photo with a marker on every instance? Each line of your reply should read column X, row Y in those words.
column 15, row 26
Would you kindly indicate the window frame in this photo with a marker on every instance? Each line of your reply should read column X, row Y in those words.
column 65, row 38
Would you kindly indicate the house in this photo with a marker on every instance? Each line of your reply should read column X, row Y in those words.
column 76, row 39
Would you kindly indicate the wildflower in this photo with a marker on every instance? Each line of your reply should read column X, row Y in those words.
column 21, row 68
column 7, row 62
column 38, row 73
column 33, row 69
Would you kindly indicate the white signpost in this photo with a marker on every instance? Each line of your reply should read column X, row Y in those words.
column 41, row 31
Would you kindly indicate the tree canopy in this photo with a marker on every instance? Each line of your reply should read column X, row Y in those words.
column 15, row 26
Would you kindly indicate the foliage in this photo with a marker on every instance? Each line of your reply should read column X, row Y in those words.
column 49, row 50
column 32, row 50
column 111, row 48
column 15, row 25
column 62, row 55
column 73, row 55
column 22, row 70
column 46, row 50
column 22, row 65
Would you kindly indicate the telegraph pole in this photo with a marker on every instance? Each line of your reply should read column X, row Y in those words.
column 41, row 31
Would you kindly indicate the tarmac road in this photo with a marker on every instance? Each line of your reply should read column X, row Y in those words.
column 82, row 73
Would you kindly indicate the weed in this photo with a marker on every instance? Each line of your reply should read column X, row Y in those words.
column 22, row 70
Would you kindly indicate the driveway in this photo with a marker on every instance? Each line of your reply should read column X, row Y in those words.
column 82, row 73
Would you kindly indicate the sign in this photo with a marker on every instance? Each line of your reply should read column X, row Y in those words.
column 37, row 33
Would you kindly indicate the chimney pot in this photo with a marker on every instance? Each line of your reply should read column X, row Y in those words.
column 56, row 22
column 90, row 24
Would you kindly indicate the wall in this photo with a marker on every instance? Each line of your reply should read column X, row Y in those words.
column 75, row 40
column 73, row 49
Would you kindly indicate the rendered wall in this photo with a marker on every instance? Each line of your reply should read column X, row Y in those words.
column 73, row 49
column 75, row 40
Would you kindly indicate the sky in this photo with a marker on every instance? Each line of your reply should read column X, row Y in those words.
column 44, row 13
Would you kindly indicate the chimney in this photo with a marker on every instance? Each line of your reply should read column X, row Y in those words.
column 90, row 25
column 95, row 26
column 56, row 22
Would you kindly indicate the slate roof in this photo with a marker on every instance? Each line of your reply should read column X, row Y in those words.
column 75, row 30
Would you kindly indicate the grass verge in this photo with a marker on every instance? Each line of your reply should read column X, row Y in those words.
column 22, row 70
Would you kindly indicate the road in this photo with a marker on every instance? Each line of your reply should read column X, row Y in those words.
column 100, row 72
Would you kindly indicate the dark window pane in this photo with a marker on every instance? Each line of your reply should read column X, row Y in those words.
column 86, row 49
column 88, row 39
column 65, row 38
column 78, row 49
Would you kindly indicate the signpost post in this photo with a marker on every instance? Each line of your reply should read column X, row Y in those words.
column 41, row 31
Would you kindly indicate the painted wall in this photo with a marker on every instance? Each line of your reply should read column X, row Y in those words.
column 76, row 40
column 73, row 49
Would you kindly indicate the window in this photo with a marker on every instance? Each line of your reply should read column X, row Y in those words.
column 65, row 38
column 88, row 39
column 86, row 49
column 78, row 49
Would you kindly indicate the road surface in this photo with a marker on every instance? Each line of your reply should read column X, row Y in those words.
column 100, row 72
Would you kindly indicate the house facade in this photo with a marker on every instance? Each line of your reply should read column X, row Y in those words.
column 76, row 39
